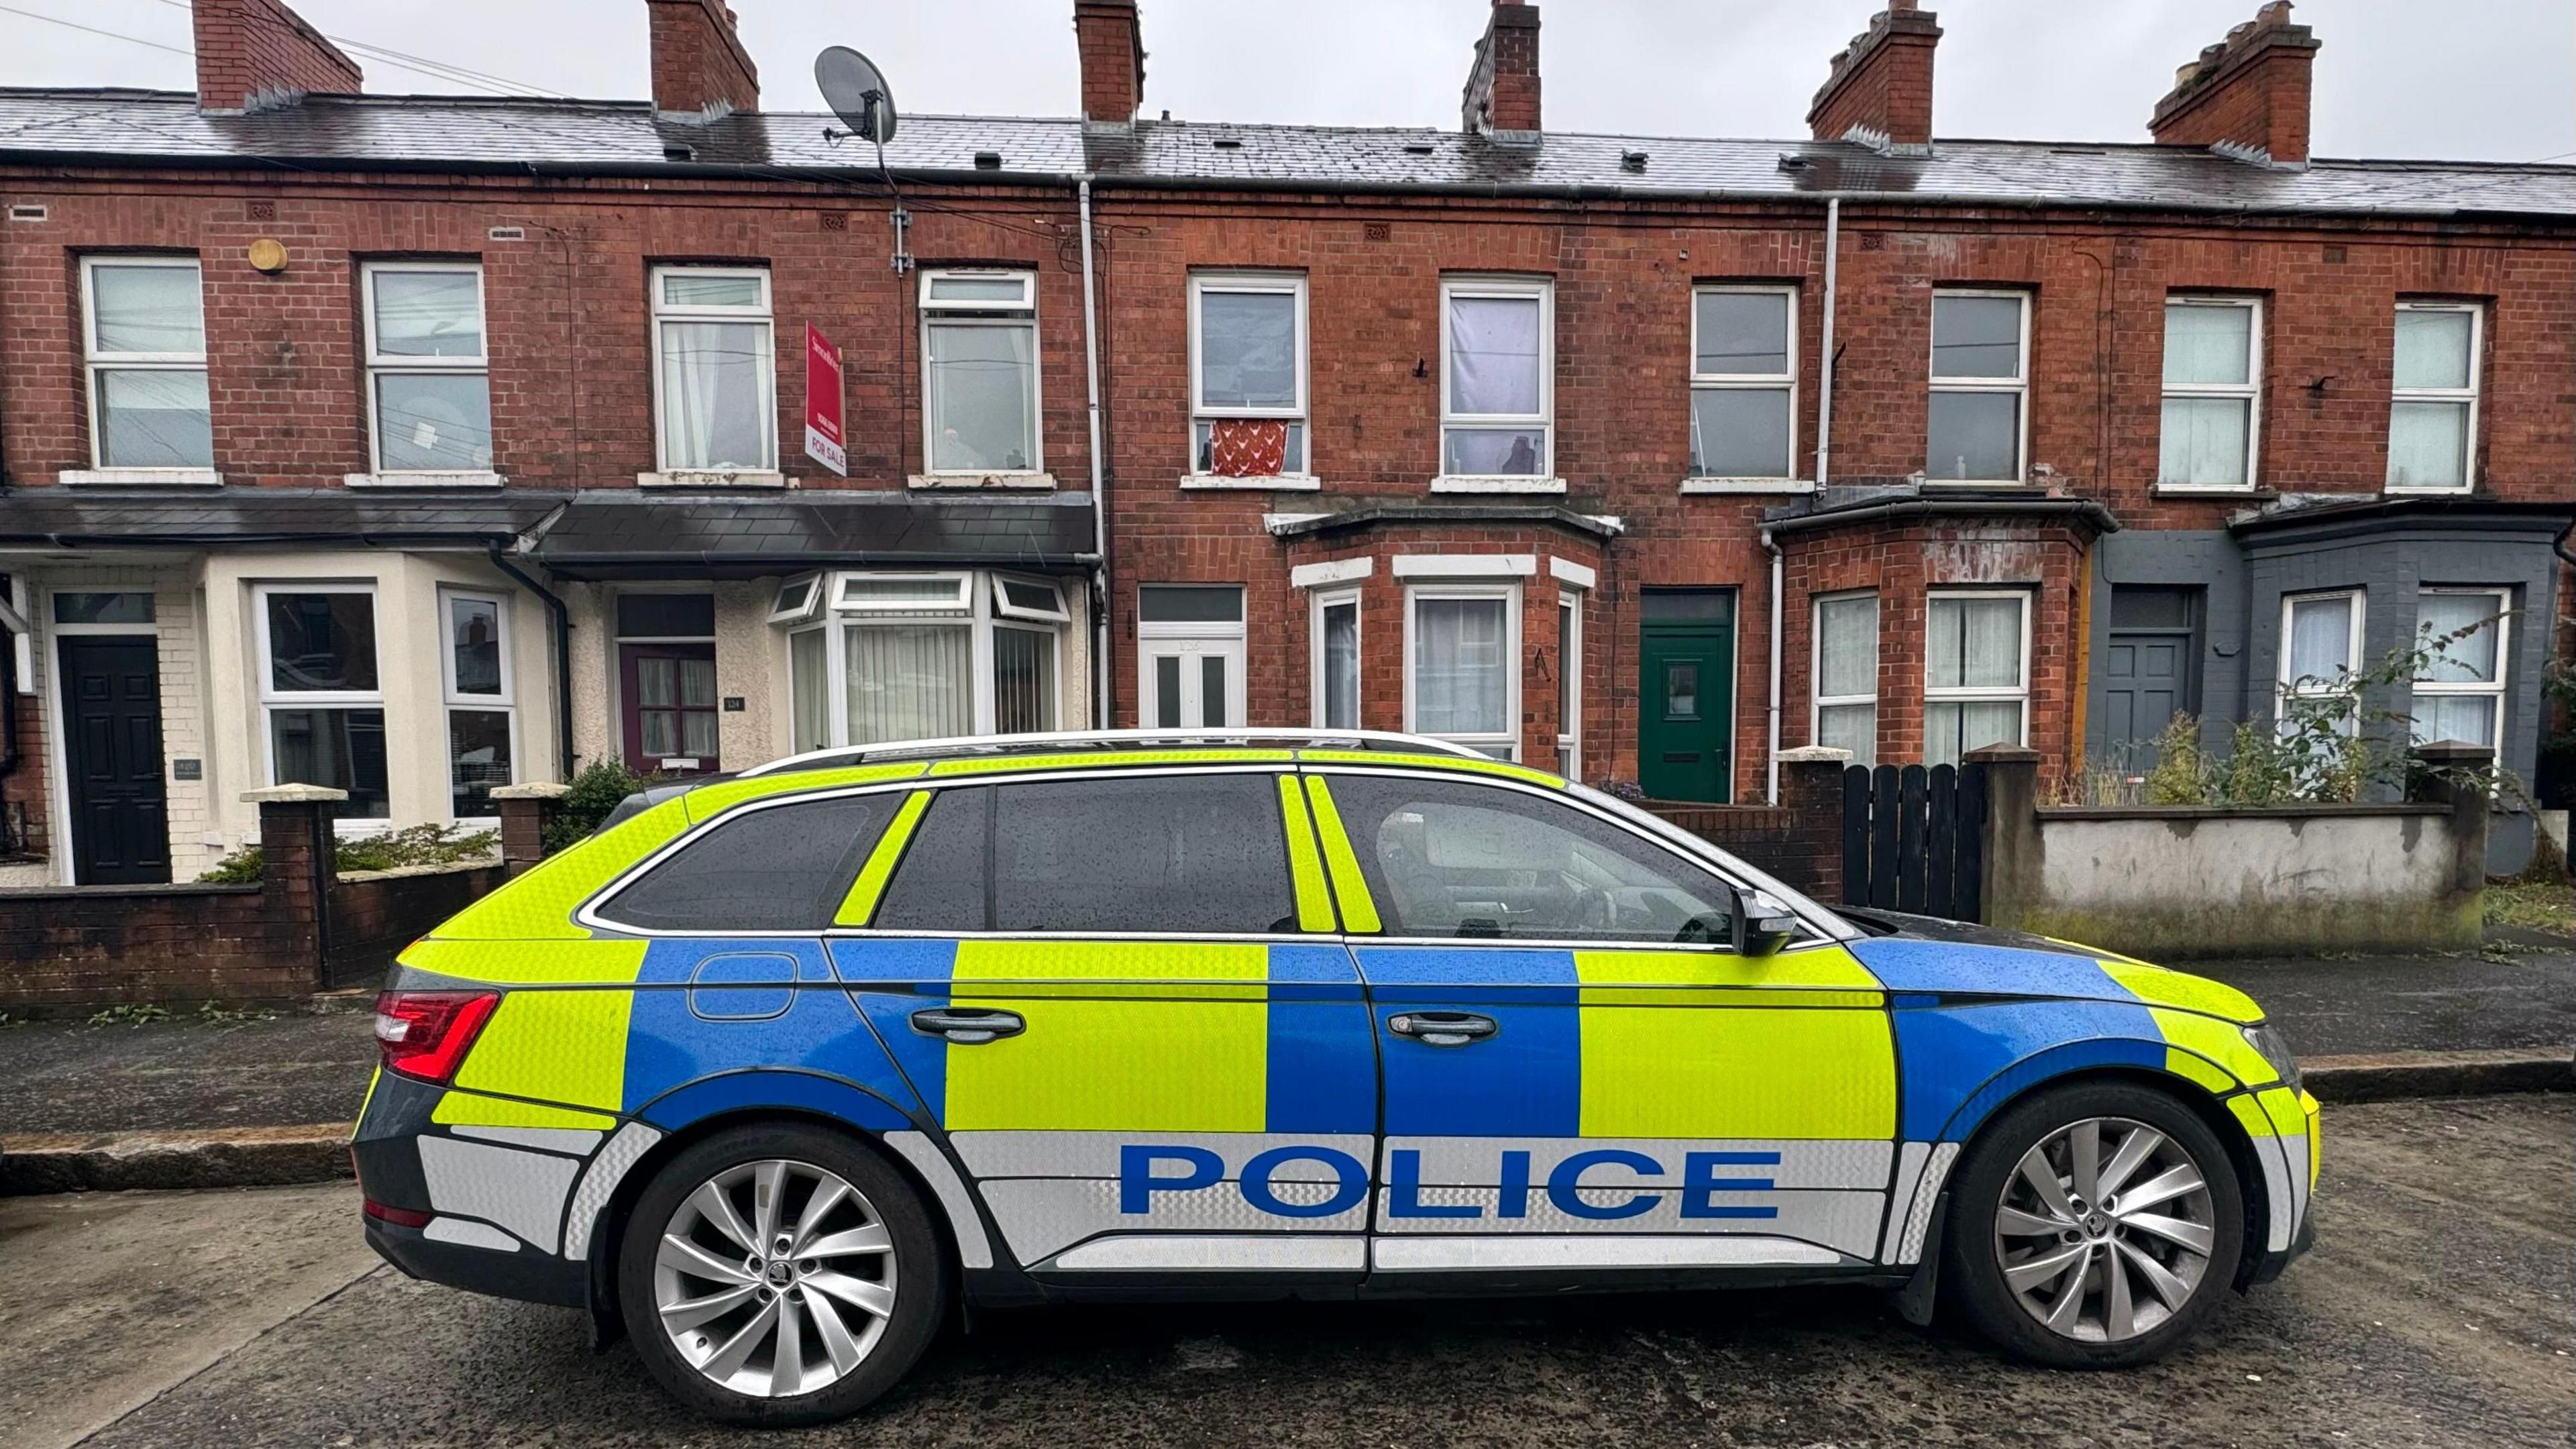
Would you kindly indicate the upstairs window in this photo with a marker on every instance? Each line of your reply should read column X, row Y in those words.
column 1497, row 367
column 2433, row 412
column 1248, row 375
column 429, row 386
column 1980, row 382
column 2213, row 376
column 716, row 369
column 145, row 341
column 980, row 348
column 1744, row 390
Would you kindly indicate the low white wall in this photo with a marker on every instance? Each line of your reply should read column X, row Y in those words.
column 2185, row 882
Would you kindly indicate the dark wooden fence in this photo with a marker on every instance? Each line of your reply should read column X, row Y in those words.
column 1914, row 839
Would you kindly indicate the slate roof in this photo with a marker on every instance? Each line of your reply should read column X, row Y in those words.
column 608, row 533
column 90, row 517
column 458, row 134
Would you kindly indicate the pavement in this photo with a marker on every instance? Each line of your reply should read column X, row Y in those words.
column 2434, row 1312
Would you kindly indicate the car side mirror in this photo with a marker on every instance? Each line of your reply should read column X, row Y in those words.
column 1762, row 925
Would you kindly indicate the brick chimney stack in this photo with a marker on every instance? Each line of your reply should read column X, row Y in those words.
column 2249, row 92
column 1112, row 42
column 699, row 64
column 252, row 53
column 1880, row 90
column 1501, row 102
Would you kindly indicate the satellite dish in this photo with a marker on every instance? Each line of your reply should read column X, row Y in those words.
column 857, row 92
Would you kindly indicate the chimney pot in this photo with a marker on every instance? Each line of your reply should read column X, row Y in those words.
column 2248, row 93
column 254, row 51
column 1881, row 84
column 699, row 64
column 1111, row 41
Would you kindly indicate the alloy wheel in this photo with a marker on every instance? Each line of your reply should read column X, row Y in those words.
column 2104, row 1230
column 775, row 1278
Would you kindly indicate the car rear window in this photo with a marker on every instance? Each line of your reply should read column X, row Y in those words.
column 775, row 868
column 1154, row 855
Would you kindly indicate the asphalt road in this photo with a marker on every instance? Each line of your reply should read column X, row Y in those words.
column 2437, row 1311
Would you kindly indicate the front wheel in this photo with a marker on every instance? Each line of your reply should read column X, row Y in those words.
column 2094, row 1226
column 780, row 1275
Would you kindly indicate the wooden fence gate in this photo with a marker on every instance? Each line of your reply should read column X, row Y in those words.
column 1915, row 839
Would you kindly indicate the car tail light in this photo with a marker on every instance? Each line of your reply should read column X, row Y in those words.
column 426, row 1034
column 398, row 1216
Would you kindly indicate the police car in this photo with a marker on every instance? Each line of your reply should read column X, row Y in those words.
column 776, row 1072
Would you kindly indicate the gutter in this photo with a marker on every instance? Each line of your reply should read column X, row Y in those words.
column 2079, row 508
column 563, row 653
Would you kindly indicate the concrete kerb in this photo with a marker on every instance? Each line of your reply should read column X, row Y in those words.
column 277, row 1156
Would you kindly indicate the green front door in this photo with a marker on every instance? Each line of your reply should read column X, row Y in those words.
column 1686, row 723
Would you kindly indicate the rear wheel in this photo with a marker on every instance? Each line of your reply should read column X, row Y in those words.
column 2094, row 1226
column 780, row 1275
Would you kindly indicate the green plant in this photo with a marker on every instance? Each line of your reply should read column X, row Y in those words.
column 132, row 1013
column 600, row 788
column 436, row 844
column 215, row 1013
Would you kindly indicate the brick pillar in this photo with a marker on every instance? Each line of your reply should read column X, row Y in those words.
column 2013, row 884
column 295, row 872
column 2461, row 776
column 1811, row 790
column 526, row 811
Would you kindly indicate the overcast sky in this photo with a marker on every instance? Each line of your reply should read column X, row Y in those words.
column 2463, row 79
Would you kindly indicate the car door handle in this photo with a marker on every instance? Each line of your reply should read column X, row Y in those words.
column 1442, row 1028
column 970, row 1026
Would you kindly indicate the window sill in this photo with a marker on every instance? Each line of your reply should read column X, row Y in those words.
column 1484, row 483
column 1748, row 485
column 2186, row 490
column 1985, row 483
column 713, row 478
column 968, row 482
column 453, row 478
column 1264, row 483
column 2462, row 491
column 143, row 477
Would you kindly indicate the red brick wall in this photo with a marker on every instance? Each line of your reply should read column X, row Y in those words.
column 373, row 917
column 249, row 47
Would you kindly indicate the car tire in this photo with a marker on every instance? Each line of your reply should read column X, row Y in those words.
column 709, row 1312
column 2017, row 1245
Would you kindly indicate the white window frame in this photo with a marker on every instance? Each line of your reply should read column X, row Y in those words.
column 973, row 607
column 1318, row 603
column 1977, row 694
column 2494, row 689
column 2017, row 385
column 783, row 611
column 1510, row 594
column 95, row 362
column 983, row 313
column 504, row 703
column 2470, row 395
column 960, row 598
column 665, row 311
column 1290, row 284
column 1547, row 479
column 380, row 366
column 1569, row 683
column 1197, row 637
column 2285, row 687
column 2250, row 392
column 1004, row 608
column 272, row 699
column 1750, row 381
column 1818, row 701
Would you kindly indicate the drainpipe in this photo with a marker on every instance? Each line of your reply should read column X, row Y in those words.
column 1771, row 757
column 563, row 656
column 1824, row 474
column 1101, row 671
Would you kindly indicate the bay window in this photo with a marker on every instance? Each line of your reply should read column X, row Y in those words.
column 979, row 345
column 1336, row 662
column 1744, row 391
column 903, row 656
column 2212, row 389
column 2433, row 408
column 2459, row 695
column 715, row 370
column 144, row 339
column 474, row 648
column 1497, row 379
column 2321, row 651
column 1461, row 657
column 1569, row 685
column 1247, row 375
column 1980, row 383
column 321, row 698
column 1976, row 673
column 1846, row 676
column 429, row 394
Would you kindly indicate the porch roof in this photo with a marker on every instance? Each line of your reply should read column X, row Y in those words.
column 614, row 534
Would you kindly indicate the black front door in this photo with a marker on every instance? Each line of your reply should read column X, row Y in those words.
column 112, row 753
column 2150, row 672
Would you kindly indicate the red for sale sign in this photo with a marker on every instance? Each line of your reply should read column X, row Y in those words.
column 823, row 403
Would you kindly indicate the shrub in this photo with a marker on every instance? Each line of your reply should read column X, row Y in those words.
column 597, row 790
column 393, row 850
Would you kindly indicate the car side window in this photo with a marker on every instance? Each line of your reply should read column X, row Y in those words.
column 1453, row 859
column 1151, row 855
column 778, row 868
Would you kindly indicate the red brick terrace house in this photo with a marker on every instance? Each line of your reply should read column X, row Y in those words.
column 416, row 445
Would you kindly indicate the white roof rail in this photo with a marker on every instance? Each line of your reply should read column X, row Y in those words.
column 970, row 744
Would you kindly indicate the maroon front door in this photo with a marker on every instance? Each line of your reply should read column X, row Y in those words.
column 670, row 695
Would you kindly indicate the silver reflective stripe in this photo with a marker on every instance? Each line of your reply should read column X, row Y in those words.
column 974, row 1250
column 1803, row 1163
column 1909, row 1171
column 1918, row 1218
column 2278, row 1192
column 599, row 1183
column 467, row 1233
column 1456, row 1254
column 572, row 1141
column 522, row 1191
column 1215, row 1252
column 1043, row 1216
